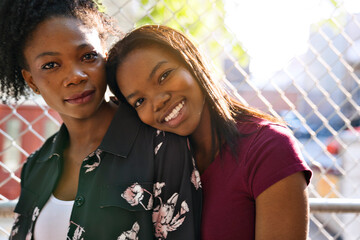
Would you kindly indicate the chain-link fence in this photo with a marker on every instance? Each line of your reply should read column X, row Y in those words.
column 296, row 59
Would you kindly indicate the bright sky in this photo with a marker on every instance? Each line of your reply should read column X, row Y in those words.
column 273, row 31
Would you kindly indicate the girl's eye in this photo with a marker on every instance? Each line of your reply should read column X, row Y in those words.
column 50, row 65
column 164, row 76
column 88, row 57
column 138, row 102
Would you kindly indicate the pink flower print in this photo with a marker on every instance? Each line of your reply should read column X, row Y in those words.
column 159, row 131
column 163, row 219
column 131, row 234
column 184, row 208
column 15, row 229
column 28, row 236
column 91, row 167
column 78, row 232
column 195, row 179
column 195, row 176
column 157, row 188
column 135, row 194
column 150, row 203
column 157, row 148
column 35, row 214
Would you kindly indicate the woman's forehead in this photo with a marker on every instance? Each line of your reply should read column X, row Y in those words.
column 65, row 30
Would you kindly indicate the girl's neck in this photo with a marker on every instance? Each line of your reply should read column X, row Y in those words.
column 201, row 141
column 88, row 133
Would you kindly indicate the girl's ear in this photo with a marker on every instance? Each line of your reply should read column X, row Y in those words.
column 29, row 80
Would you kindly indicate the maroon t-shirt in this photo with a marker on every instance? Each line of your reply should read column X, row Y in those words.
column 230, row 187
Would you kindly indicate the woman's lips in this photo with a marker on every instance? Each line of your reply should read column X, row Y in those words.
column 175, row 116
column 80, row 98
column 175, row 111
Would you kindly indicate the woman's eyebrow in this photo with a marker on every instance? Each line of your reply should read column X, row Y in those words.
column 131, row 95
column 151, row 75
column 47, row 54
column 157, row 66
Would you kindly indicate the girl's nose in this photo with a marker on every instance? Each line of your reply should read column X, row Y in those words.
column 76, row 76
column 160, row 101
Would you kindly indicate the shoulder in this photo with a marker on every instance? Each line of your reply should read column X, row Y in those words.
column 45, row 150
column 271, row 153
column 268, row 144
column 258, row 131
column 40, row 155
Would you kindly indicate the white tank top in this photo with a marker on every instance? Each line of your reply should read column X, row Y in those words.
column 53, row 220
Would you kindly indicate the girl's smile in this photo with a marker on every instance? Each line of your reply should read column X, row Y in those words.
column 161, row 89
column 174, row 114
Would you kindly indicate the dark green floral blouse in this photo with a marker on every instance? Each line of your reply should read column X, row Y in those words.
column 140, row 183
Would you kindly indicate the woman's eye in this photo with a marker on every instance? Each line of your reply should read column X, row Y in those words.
column 164, row 76
column 90, row 56
column 50, row 65
column 138, row 102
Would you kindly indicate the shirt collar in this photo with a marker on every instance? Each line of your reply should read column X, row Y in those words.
column 122, row 132
column 118, row 139
column 55, row 145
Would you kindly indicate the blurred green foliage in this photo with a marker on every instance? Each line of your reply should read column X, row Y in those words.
column 202, row 19
column 100, row 5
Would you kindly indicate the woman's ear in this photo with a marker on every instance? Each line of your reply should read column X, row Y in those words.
column 29, row 80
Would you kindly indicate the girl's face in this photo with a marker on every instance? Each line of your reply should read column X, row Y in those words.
column 164, row 93
column 66, row 65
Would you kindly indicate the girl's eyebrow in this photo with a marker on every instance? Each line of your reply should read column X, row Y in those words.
column 157, row 66
column 151, row 75
column 131, row 95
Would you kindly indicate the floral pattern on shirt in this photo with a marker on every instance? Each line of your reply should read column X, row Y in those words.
column 33, row 219
column 157, row 148
column 164, row 219
column 16, row 226
column 132, row 234
column 135, row 194
column 163, row 215
column 195, row 176
column 77, row 233
column 93, row 162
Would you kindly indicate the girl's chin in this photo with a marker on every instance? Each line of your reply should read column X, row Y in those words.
column 181, row 132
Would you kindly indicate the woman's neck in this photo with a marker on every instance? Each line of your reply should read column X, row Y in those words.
column 201, row 141
column 87, row 134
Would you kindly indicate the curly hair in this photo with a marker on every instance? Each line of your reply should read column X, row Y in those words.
column 19, row 18
column 224, row 110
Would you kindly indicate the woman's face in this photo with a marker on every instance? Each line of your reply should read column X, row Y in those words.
column 164, row 93
column 66, row 65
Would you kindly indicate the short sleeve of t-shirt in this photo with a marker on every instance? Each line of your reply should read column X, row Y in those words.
column 272, row 155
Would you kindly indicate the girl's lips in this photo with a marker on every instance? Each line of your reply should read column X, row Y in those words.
column 80, row 98
column 175, row 114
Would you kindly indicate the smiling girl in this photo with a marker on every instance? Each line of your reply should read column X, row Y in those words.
column 253, row 176
column 104, row 174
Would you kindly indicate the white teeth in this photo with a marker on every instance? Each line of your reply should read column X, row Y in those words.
column 175, row 112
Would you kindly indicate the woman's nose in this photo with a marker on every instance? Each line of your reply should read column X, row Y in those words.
column 160, row 101
column 76, row 76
